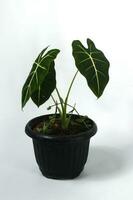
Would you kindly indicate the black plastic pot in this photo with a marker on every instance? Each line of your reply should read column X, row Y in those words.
column 60, row 157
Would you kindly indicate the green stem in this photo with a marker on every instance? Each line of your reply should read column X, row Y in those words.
column 63, row 111
column 56, row 103
column 60, row 99
column 62, row 114
column 69, row 89
column 67, row 105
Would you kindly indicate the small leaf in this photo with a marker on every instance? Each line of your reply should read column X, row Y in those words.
column 62, row 101
column 49, row 108
column 92, row 64
column 38, row 73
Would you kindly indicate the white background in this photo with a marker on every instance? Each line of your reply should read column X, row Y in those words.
column 26, row 27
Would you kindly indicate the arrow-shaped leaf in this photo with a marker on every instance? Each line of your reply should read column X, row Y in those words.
column 92, row 64
column 44, row 91
column 38, row 74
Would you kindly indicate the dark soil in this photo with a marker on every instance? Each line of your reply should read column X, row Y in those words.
column 54, row 126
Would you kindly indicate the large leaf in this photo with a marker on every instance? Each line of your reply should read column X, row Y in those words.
column 38, row 73
column 92, row 64
column 44, row 91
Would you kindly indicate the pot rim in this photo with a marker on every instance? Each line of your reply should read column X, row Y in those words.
column 35, row 135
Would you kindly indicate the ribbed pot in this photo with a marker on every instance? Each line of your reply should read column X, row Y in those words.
column 60, row 157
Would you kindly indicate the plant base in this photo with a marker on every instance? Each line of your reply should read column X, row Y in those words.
column 60, row 157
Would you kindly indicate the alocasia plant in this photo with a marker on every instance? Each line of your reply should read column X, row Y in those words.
column 41, row 82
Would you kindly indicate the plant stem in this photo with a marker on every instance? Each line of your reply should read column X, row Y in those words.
column 63, row 110
column 63, row 114
column 60, row 99
column 69, row 89
column 67, row 105
column 56, row 104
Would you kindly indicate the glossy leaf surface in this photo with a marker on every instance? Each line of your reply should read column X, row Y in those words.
column 92, row 64
column 43, row 93
column 39, row 75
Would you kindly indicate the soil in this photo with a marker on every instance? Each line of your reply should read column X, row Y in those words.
column 54, row 128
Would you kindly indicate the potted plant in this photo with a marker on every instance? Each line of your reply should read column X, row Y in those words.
column 61, row 140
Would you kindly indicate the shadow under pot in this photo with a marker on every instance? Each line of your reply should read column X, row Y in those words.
column 60, row 156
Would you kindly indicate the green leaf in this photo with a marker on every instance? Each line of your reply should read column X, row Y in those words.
column 92, row 64
column 43, row 93
column 38, row 73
